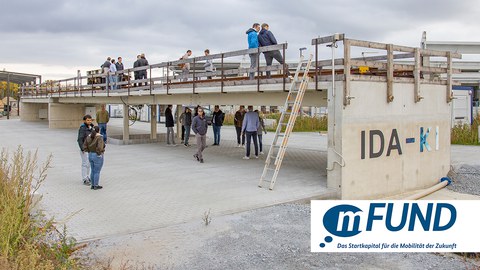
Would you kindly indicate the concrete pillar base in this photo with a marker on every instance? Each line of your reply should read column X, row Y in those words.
column 65, row 115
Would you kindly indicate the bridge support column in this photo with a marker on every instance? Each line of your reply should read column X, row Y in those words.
column 65, row 115
column 33, row 112
column 126, row 126
column 153, row 122
column 177, row 117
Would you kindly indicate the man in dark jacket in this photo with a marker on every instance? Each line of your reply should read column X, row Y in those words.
column 119, row 66
column 169, row 123
column 105, row 69
column 136, row 73
column 266, row 38
column 217, row 123
column 142, row 62
column 186, row 120
column 200, row 128
column 85, row 130
column 238, row 121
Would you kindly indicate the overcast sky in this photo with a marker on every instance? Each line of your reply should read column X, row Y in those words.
column 54, row 38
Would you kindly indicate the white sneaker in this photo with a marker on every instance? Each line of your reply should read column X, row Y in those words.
column 245, row 157
column 261, row 153
column 239, row 145
column 256, row 157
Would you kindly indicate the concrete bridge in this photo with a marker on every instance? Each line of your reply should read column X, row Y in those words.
column 380, row 113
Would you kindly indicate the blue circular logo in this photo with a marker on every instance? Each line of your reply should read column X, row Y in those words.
column 342, row 220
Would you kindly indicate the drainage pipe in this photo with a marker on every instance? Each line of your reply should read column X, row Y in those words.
column 445, row 181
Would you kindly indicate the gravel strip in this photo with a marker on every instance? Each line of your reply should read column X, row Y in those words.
column 465, row 179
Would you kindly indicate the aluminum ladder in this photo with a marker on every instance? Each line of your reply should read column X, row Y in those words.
column 291, row 108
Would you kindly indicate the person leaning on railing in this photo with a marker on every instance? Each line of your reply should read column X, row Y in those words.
column 266, row 38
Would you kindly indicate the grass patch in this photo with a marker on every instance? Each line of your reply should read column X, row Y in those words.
column 302, row 123
column 466, row 134
column 27, row 239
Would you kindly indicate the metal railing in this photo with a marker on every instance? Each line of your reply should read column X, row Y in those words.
column 172, row 78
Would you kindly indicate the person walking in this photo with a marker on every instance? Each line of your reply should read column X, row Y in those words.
column 85, row 130
column 238, row 121
column 209, row 67
column 180, row 119
column 217, row 123
column 261, row 128
column 266, row 38
column 136, row 73
column 186, row 66
column 187, row 124
column 142, row 74
column 102, row 120
column 252, row 35
column 169, row 123
column 250, row 127
column 95, row 148
column 119, row 66
column 113, row 75
column 200, row 128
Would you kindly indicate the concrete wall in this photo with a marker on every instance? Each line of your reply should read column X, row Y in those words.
column 29, row 112
column 65, row 115
column 404, row 164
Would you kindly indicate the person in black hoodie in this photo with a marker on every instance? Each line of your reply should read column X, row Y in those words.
column 217, row 123
column 85, row 130
column 266, row 38
column 169, row 123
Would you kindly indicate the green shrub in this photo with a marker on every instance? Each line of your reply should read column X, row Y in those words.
column 27, row 239
column 466, row 134
column 302, row 123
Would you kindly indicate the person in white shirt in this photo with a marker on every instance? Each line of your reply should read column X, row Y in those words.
column 112, row 76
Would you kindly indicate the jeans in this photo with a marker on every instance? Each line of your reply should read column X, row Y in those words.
column 96, row 162
column 201, row 143
column 216, row 134
column 269, row 59
column 113, row 82
column 119, row 79
column 253, row 64
column 260, row 141
column 187, row 134
column 142, row 76
column 170, row 134
column 85, row 165
column 185, row 73
column 251, row 135
column 103, row 131
column 239, row 132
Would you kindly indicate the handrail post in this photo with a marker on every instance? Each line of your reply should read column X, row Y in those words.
column 221, row 85
column 108, row 84
column 193, row 79
column 168, row 83
column 284, row 65
column 316, row 65
column 258, row 69
column 129, row 80
column 150, row 73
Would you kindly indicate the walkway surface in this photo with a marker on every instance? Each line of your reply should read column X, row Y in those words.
column 151, row 186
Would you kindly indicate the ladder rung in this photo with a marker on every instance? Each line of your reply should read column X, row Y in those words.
column 281, row 135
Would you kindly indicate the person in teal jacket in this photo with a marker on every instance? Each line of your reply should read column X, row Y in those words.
column 252, row 34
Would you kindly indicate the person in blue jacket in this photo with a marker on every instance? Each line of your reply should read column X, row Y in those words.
column 253, row 44
column 266, row 38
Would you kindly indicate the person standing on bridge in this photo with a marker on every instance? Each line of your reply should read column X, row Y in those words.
column 217, row 123
column 113, row 75
column 250, row 127
column 105, row 69
column 186, row 66
column 169, row 123
column 102, row 120
column 142, row 62
column 85, row 130
column 253, row 44
column 266, row 38
column 136, row 73
column 200, row 128
column 119, row 66
column 209, row 67
column 238, row 121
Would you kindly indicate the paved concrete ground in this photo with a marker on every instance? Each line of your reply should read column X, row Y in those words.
column 152, row 185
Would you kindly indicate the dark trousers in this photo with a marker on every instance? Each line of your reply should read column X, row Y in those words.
column 239, row 133
column 183, row 132
column 143, row 76
column 260, row 142
column 251, row 135
column 269, row 56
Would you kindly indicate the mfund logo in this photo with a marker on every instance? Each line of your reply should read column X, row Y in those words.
column 348, row 220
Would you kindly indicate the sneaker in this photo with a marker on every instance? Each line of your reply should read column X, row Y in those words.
column 256, row 157
column 196, row 156
column 245, row 157
column 201, row 160
column 239, row 145
column 214, row 144
column 261, row 153
column 86, row 182
column 186, row 145
column 97, row 187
